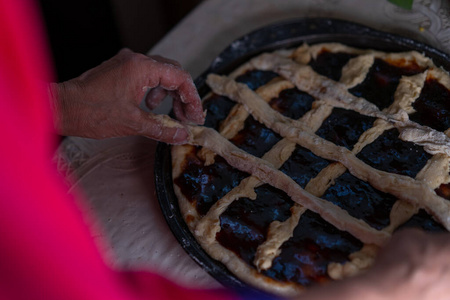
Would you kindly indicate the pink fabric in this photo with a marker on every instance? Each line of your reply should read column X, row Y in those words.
column 46, row 250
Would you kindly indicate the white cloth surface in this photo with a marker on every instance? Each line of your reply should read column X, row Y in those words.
column 116, row 175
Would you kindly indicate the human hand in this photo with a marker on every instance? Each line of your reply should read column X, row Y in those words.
column 105, row 101
column 414, row 265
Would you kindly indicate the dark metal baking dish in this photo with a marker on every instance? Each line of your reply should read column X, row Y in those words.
column 281, row 35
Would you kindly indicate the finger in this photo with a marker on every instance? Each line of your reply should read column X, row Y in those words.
column 178, row 109
column 184, row 113
column 154, row 97
column 162, row 128
column 176, row 79
column 191, row 108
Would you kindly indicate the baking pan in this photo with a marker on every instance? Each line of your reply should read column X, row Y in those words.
column 276, row 36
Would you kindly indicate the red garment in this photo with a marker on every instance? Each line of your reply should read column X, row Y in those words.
column 46, row 250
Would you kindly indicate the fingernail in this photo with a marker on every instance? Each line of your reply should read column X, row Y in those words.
column 181, row 136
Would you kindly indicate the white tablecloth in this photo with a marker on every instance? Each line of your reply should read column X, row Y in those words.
column 116, row 175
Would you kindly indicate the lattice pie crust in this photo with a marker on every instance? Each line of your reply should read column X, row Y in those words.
column 295, row 70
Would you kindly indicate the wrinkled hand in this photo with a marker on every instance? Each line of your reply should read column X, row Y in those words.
column 414, row 265
column 105, row 101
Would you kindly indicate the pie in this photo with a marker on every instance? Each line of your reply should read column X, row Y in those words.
column 310, row 158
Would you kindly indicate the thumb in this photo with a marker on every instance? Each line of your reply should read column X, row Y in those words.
column 162, row 128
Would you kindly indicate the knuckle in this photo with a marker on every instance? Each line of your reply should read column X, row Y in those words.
column 185, row 74
column 132, row 58
column 125, row 51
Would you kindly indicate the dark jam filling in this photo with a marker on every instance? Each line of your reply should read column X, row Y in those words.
column 255, row 138
column 344, row 127
column 205, row 185
column 303, row 165
column 389, row 153
column 245, row 223
column 255, row 78
column 292, row 103
column 361, row 200
column 433, row 106
column 423, row 221
column 218, row 107
column 330, row 64
column 304, row 257
column 381, row 82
